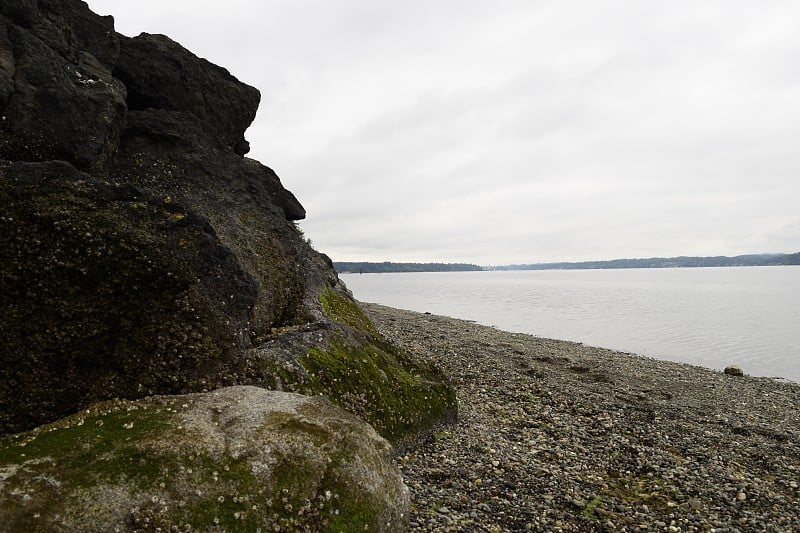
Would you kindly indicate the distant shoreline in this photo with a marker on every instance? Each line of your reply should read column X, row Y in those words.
column 369, row 267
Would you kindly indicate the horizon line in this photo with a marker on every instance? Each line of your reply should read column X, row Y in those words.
column 470, row 263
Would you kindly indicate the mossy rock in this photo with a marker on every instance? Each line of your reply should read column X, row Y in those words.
column 401, row 400
column 236, row 459
column 350, row 363
column 345, row 311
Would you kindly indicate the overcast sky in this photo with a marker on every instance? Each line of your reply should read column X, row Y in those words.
column 508, row 131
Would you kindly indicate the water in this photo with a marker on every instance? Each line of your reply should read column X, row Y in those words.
column 713, row 317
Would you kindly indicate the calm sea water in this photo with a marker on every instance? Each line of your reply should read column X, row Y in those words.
column 713, row 317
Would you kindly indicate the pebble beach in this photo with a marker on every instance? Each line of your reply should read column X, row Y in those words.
column 559, row 436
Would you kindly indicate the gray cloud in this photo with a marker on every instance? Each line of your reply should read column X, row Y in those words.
column 517, row 131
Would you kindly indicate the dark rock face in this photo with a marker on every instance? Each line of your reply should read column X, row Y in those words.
column 142, row 253
column 223, row 106
column 57, row 95
column 185, row 119
column 131, row 294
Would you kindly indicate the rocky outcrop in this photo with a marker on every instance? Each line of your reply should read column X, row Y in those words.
column 149, row 63
column 109, row 289
column 237, row 459
column 144, row 254
column 57, row 95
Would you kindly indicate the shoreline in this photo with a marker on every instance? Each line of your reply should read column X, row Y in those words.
column 560, row 436
column 714, row 320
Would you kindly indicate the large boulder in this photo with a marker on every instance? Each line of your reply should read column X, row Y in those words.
column 236, row 459
column 144, row 254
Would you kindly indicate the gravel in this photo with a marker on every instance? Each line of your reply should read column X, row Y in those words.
column 558, row 436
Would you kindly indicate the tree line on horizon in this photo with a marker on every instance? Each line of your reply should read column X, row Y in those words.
column 369, row 267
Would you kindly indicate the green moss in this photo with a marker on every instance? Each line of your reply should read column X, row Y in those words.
column 105, row 441
column 227, row 495
column 442, row 435
column 300, row 494
column 224, row 494
column 345, row 311
column 175, row 486
column 354, row 515
column 589, row 511
column 54, row 467
column 343, row 508
column 643, row 490
column 370, row 381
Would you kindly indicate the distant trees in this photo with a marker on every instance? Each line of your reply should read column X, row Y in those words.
column 666, row 262
column 365, row 267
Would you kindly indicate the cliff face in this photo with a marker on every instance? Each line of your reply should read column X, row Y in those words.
column 144, row 254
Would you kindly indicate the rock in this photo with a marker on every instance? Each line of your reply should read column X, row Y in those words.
column 67, row 27
column 401, row 397
column 134, row 295
column 143, row 254
column 236, row 459
column 160, row 74
column 58, row 99
column 733, row 371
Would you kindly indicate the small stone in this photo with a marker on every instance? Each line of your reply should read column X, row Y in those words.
column 741, row 496
column 733, row 370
